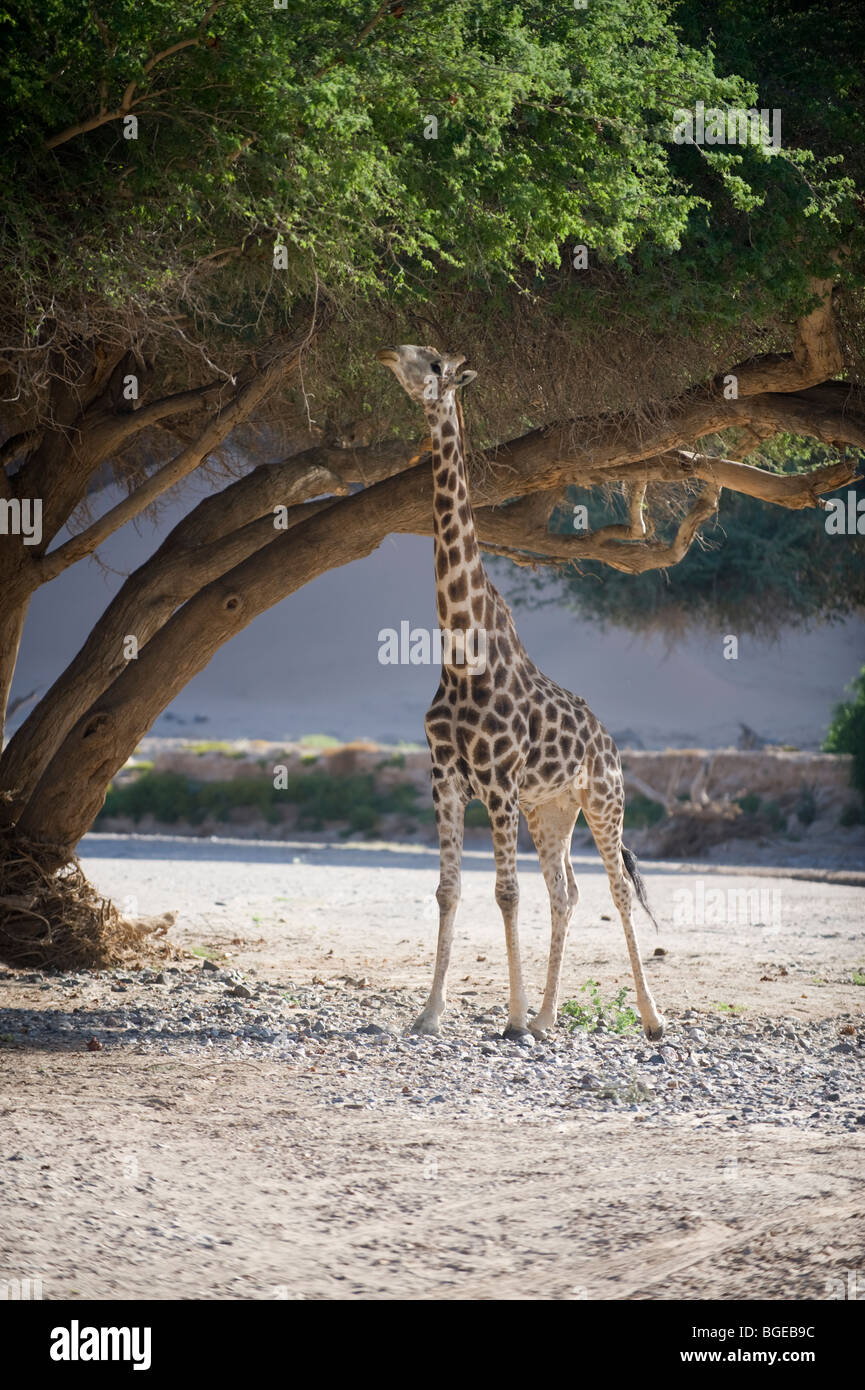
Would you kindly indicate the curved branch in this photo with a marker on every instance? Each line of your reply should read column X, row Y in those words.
column 498, row 535
column 221, row 532
column 244, row 402
column 816, row 353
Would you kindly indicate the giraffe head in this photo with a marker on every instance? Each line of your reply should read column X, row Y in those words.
column 424, row 374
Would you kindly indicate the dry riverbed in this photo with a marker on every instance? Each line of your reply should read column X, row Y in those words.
column 251, row 1121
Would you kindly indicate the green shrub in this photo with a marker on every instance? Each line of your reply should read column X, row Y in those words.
column 476, row 814
column 171, row 796
column 640, row 811
column 806, row 805
column 774, row 814
column 846, row 733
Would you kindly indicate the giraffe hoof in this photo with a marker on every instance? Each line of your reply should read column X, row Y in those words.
column 656, row 1034
column 514, row 1034
column 426, row 1027
column 539, row 1030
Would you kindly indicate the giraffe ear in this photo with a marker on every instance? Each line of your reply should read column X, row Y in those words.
column 464, row 378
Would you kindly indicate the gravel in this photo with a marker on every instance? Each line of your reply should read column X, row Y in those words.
column 351, row 1047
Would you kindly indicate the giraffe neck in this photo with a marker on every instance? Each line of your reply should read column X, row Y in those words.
column 460, row 575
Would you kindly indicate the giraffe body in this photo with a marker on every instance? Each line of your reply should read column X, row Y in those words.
column 502, row 731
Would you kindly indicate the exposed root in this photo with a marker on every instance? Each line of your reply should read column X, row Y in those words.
column 51, row 916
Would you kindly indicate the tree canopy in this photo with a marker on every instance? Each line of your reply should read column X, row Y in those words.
column 551, row 127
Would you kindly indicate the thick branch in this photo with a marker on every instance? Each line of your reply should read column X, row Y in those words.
column 816, row 354
column 223, row 530
column 215, row 433
column 499, row 534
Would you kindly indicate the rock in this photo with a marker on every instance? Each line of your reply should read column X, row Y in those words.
column 374, row 1028
column 241, row 991
column 208, row 964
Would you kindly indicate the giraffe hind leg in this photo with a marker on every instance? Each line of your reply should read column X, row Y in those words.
column 604, row 812
column 551, row 827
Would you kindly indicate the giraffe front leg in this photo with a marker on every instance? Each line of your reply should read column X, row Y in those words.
column 505, row 824
column 449, row 817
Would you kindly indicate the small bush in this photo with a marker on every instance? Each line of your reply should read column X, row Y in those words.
column 851, row 814
column 640, row 811
column 806, row 805
column 611, row 1016
column 476, row 814
column 846, row 733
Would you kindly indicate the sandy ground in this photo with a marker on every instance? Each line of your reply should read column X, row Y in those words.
column 185, row 1176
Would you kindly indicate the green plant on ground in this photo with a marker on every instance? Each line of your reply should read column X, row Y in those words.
column 318, row 741
column 476, row 814
column 611, row 1016
column 749, row 803
column 730, row 1008
column 858, row 977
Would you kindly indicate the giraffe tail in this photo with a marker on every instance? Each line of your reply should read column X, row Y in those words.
column 633, row 871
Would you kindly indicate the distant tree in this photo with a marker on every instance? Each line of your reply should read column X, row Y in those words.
column 753, row 569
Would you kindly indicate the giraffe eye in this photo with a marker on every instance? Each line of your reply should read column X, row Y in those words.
column 436, row 367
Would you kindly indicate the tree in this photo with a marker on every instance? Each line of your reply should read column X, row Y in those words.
column 220, row 211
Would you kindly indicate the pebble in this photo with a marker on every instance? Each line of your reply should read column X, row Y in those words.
column 765, row 1071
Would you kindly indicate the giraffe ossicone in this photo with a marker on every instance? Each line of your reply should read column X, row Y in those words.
column 508, row 734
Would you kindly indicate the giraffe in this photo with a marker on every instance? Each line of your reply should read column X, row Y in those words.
column 502, row 731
